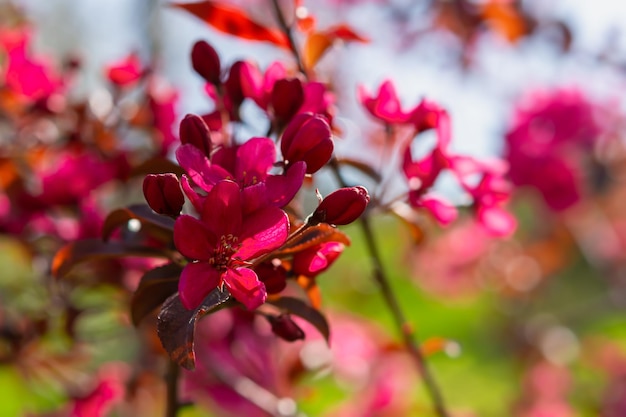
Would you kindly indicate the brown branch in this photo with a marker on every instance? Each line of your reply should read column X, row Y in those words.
column 171, row 382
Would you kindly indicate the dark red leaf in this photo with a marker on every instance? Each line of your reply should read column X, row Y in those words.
column 301, row 309
column 157, row 165
column 311, row 236
column 176, row 326
column 155, row 287
column 345, row 33
column 156, row 225
column 90, row 249
column 231, row 20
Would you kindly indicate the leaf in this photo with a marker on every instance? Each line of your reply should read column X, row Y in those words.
column 411, row 219
column 315, row 46
column 311, row 289
column 311, row 236
column 156, row 225
column 345, row 33
column 317, row 43
column 234, row 21
column 301, row 309
column 361, row 166
column 90, row 249
column 176, row 326
column 155, row 287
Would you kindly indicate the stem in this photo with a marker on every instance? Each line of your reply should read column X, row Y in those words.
column 408, row 334
column 287, row 31
column 171, row 382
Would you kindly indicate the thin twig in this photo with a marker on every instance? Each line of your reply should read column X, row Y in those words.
column 408, row 334
column 171, row 382
column 287, row 31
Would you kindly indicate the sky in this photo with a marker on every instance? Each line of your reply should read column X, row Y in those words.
column 479, row 102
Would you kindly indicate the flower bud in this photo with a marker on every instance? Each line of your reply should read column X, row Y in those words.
column 163, row 194
column 285, row 328
column 194, row 130
column 286, row 99
column 307, row 138
column 340, row 207
column 313, row 261
column 273, row 276
column 206, row 62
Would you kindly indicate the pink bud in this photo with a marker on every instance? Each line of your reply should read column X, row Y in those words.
column 206, row 62
column 285, row 328
column 340, row 207
column 163, row 194
column 194, row 130
column 287, row 98
column 307, row 138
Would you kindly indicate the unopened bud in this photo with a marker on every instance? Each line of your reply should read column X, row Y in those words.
column 194, row 130
column 206, row 62
column 284, row 327
column 307, row 138
column 287, row 98
column 340, row 207
column 163, row 194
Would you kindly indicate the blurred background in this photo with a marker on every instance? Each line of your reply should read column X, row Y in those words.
column 529, row 325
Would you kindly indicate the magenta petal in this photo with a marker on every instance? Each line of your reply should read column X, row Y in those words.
column 442, row 211
column 195, row 198
column 193, row 238
column 282, row 188
column 245, row 286
column 254, row 159
column 254, row 197
column 387, row 106
column 497, row 221
column 222, row 209
column 262, row 232
column 196, row 282
column 199, row 168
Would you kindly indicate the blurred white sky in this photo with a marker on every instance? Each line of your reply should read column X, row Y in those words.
column 106, row 30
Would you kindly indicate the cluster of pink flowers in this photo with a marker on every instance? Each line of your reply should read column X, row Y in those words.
column 489, row 194
column 550, row 144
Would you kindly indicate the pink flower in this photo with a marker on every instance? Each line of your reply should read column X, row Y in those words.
column 222, row 241
column 550, row 137
column 125, row 72
column 248, row 165
column 385, row 106
column 30, row 77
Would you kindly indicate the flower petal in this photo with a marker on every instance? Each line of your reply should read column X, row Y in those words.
column 245, row 286
column 199, row 168
column 282, row 188
column 254, row 159
column 444, row 212
column 262, row 232
column 193, row 238
column 196, row 282
column 221, row 211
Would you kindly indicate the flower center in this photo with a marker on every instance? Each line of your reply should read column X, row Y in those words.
column 225, row 249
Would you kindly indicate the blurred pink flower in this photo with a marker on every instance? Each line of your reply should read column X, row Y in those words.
column 551, row 134
column 28, row 76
